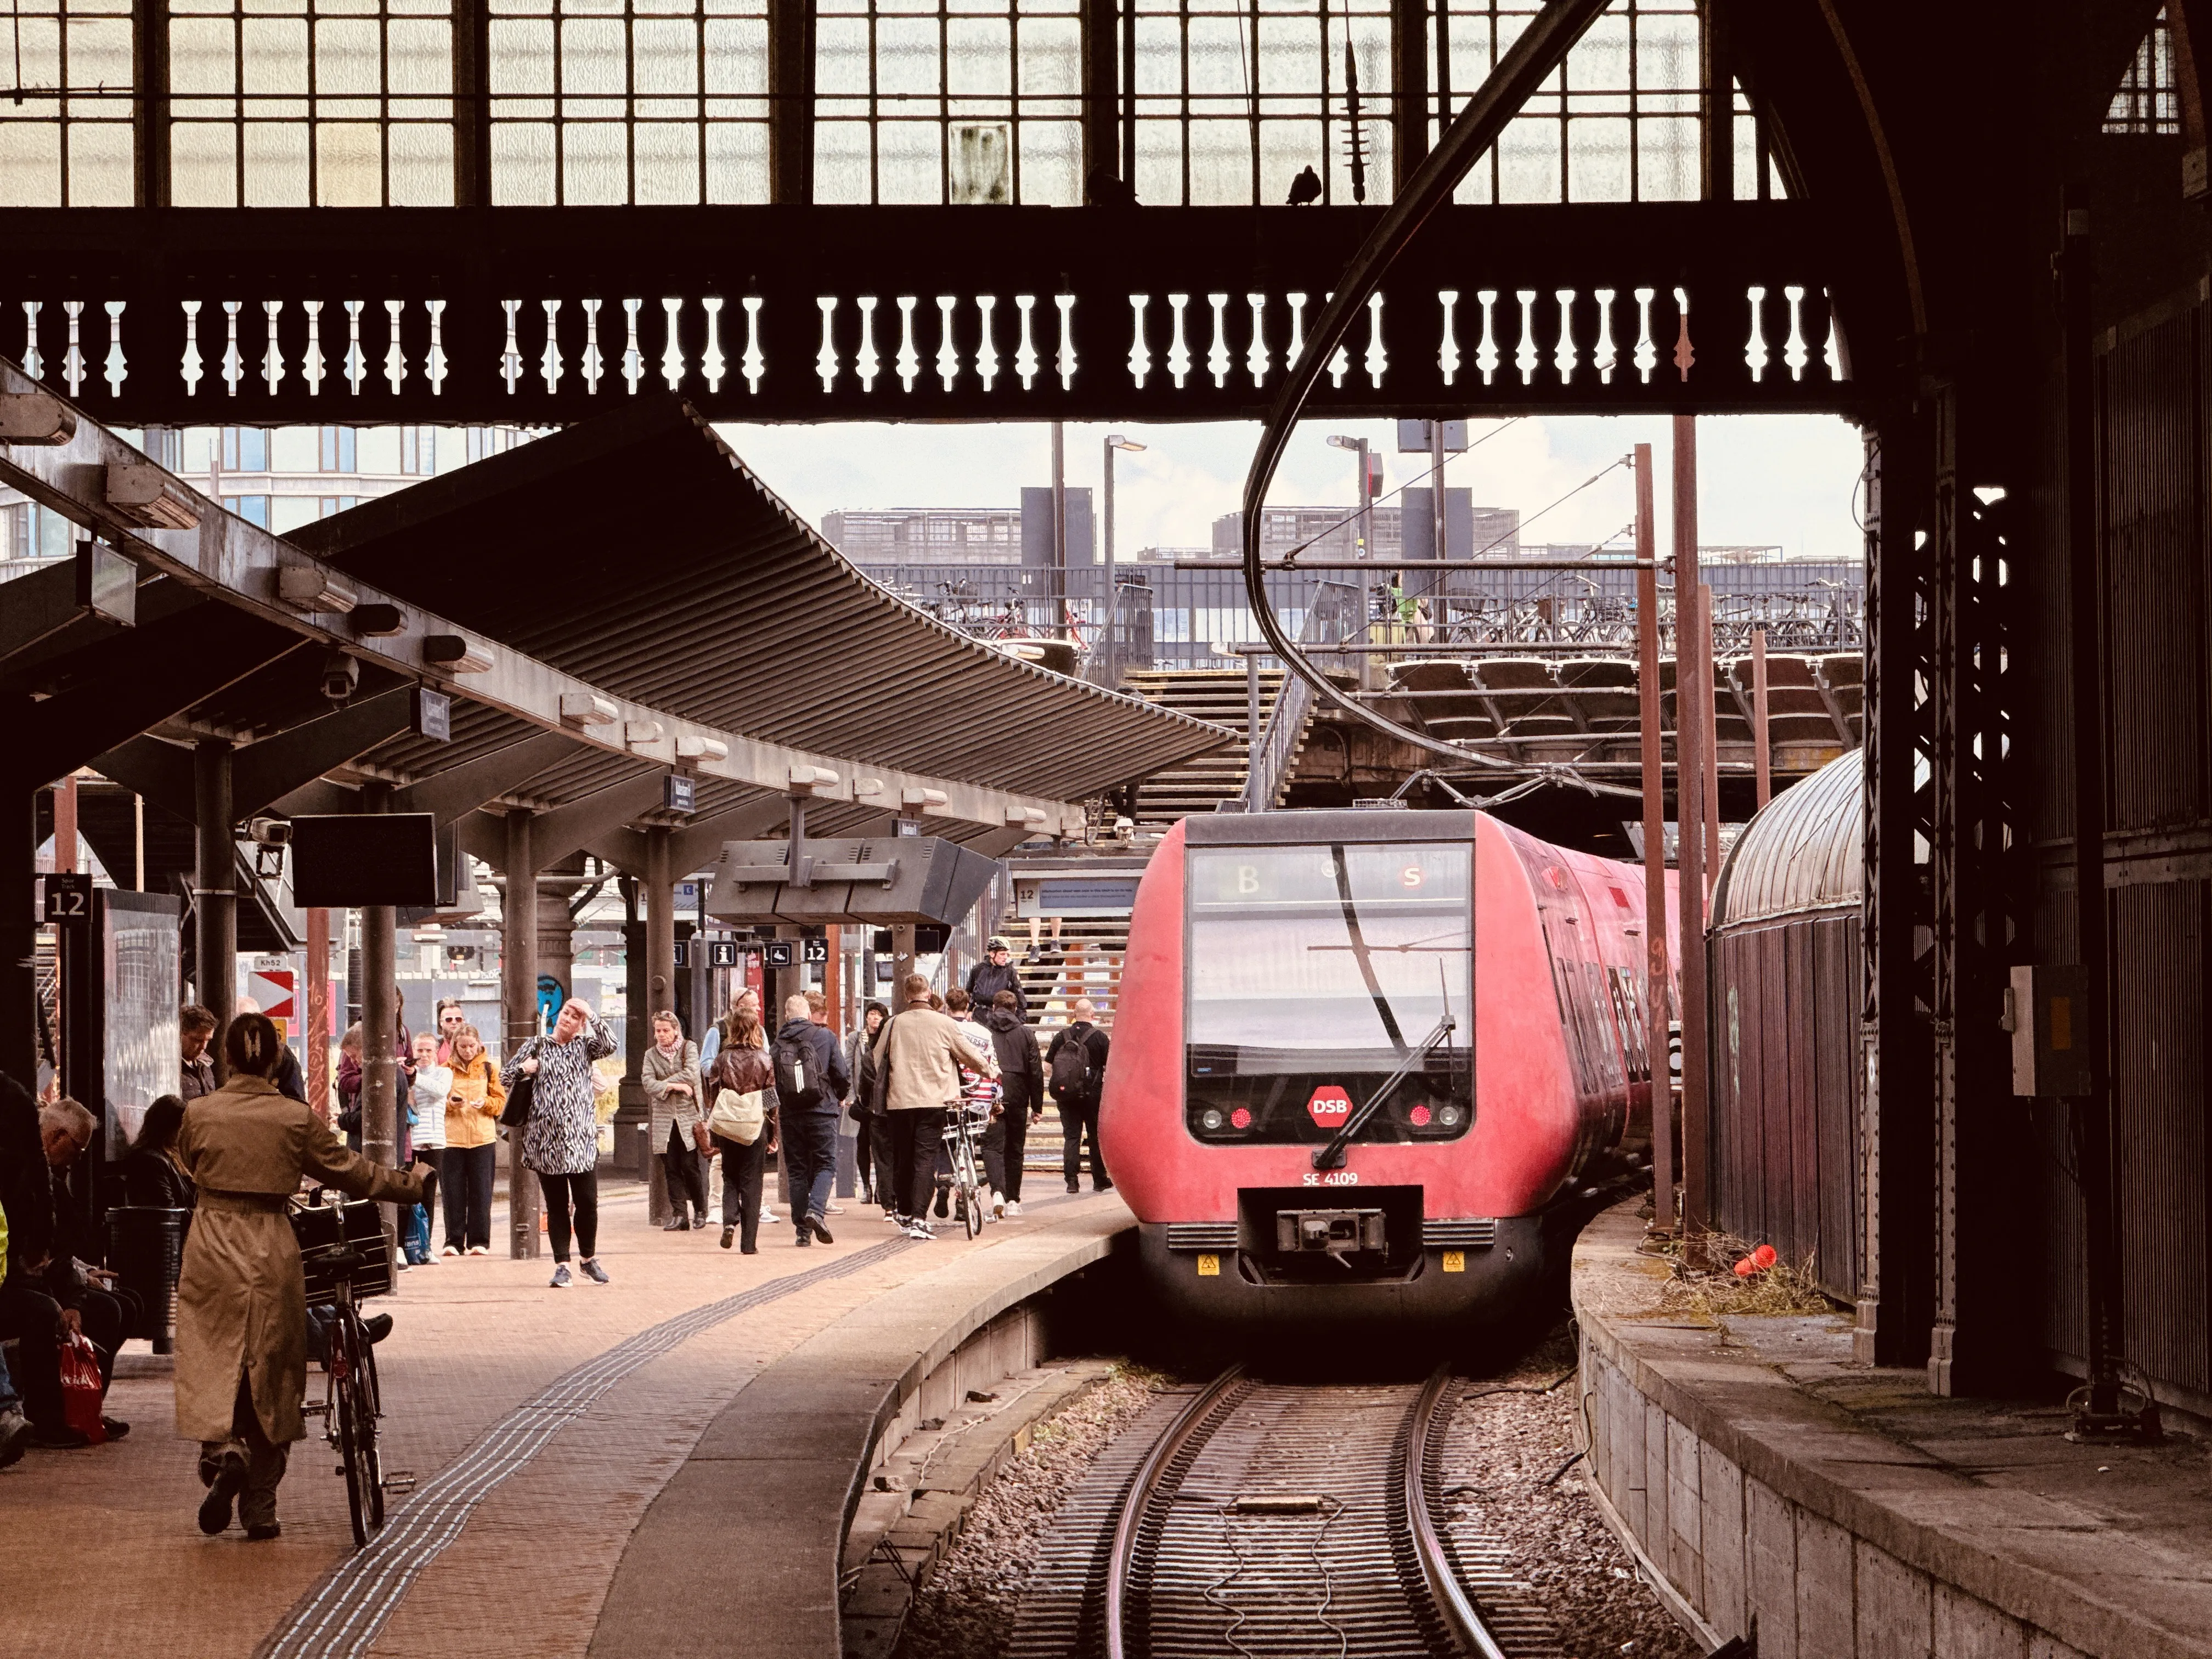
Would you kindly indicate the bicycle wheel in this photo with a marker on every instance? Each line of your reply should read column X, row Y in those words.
column 355, row 1409
column 971, row 1189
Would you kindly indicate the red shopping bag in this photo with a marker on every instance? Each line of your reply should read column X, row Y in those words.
column 81, row 1390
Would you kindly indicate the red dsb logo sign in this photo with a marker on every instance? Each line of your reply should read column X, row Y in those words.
column 1329, row 1107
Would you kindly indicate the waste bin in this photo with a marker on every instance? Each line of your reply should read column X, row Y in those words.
column 146, row 1249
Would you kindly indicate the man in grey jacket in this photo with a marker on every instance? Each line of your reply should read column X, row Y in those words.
column 919, row 1054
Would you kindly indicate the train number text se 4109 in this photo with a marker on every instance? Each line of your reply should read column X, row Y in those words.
column 1333, row 1178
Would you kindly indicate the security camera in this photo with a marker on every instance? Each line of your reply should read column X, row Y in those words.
column 271, row 832
column 341, row 674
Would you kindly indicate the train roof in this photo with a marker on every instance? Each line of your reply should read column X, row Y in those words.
column 1303, row 825
column 1804, row 853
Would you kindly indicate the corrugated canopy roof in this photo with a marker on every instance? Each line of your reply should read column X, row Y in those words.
column 1805, row 852
column 638, row 552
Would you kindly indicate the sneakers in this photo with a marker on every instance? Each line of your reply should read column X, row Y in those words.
column 15, row 1436
column 560, row 1279
column 917, row 1228
column 1013, row 1209
column 943, row 1194
column 229, row 1480
column 771, row 1216
column 836, row 1209
column 820, row 1232
column 592, row 1271
column 995, row 1207
column 729, row 1232
column 805, row 1239
column 449, row 1250
column 262, row 1531
column 479, row 1250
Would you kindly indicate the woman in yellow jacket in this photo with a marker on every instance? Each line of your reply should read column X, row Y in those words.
column 471, row 1133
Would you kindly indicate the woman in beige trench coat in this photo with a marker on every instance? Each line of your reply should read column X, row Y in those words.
column 241, row 1302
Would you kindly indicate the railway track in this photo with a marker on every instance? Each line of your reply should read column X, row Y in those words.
column 1260, row 1520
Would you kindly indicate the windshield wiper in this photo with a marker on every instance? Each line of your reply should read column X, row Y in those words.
column 1331, row 1155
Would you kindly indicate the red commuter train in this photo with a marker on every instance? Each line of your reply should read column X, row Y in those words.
column 1364, row 1060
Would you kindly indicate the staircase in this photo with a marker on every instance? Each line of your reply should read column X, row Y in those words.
column 1219, row 694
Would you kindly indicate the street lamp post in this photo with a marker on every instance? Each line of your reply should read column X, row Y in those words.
column 1111, row 675
column 1365, row 549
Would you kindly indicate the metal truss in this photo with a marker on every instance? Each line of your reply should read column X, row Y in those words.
column 535, row 316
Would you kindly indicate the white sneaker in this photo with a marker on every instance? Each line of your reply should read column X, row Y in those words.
column 449, row 1250
column 836, row 1209
column 771, row 1216
column 920, row 1230
column 1012, row 1210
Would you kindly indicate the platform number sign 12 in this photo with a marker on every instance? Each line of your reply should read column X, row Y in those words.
column 69, row 898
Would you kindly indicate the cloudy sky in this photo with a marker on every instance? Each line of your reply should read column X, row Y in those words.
column 1764, row 480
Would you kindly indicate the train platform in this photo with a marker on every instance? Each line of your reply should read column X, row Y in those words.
column 585, row 1481
column 1766, row 1480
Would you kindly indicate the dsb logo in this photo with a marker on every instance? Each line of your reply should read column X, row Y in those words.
column 1329, row 1107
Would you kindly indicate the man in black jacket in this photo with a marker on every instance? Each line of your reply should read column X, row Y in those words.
column 1076, row 1064
column 996, row 973
column 1021, row 1082
column 810, row 1084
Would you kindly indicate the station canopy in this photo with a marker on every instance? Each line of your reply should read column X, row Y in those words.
column 637, row 552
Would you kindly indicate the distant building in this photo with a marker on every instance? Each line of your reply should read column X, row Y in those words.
column 927, row 535
column 277, row 478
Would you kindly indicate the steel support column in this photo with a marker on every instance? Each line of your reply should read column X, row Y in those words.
column 317, row 1002
column 1693, row 683
column 19, row 925
column 1101, row 80
column 1896, row 1193
column 215, row 881
column 790, row 101
column 1409, row 97
column 1658, row 990
column 379, row 1028
column 518, row 987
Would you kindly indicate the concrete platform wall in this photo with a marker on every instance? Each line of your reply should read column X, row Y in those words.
column 1736, row 1555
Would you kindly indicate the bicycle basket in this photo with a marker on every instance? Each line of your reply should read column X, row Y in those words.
column 328, row 1233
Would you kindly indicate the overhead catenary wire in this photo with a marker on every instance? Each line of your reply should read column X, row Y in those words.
column 1540, row 49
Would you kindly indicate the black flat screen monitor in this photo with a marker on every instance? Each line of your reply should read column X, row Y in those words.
column 346, row 860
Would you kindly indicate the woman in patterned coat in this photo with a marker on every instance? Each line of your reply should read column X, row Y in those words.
column 561, row 1141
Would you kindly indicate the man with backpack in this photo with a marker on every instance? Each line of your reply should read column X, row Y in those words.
column 1074, row 1067
column 810, row 1086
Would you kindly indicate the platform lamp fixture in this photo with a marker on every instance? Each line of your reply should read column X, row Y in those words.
column 1110, row 665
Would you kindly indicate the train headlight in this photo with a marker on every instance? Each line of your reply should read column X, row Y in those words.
column 1450, row 1117
column 1211, row 1119
column 1242, row 1118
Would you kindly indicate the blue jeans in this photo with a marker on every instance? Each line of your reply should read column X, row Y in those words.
column 810, row 1154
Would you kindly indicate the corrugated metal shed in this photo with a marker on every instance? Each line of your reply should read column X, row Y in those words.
column 1804, row 853
column 638, row 552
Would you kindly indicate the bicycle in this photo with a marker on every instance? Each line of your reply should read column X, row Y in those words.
column 352, row 1402
column 963, row 1147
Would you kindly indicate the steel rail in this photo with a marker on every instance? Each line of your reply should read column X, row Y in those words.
column 1542, row 47
column 227, row 557
column 1136, row 1503
column 1454, row 1607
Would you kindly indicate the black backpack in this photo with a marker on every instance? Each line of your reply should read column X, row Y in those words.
column 1072, row 1078
column 798, row 1073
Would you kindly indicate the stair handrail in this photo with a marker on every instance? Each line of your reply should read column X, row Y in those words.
column 1334, row 612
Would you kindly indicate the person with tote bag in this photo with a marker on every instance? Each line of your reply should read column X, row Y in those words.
column 743, row 1124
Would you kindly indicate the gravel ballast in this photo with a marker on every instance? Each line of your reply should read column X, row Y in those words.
column 1505, row 1450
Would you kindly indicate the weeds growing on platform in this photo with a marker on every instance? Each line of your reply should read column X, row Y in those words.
column 1718, row 1291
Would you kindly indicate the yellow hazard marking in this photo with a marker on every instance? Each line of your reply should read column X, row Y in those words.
column 1209, row 1267
column 1455, row 1261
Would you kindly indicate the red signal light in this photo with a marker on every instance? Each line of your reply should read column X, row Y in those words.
column 1241, row 1117
column 1420, row 1117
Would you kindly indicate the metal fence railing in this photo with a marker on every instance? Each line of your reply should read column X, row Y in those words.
column 1332, row 617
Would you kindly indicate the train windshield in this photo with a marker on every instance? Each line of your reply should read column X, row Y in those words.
column 1316, row 972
